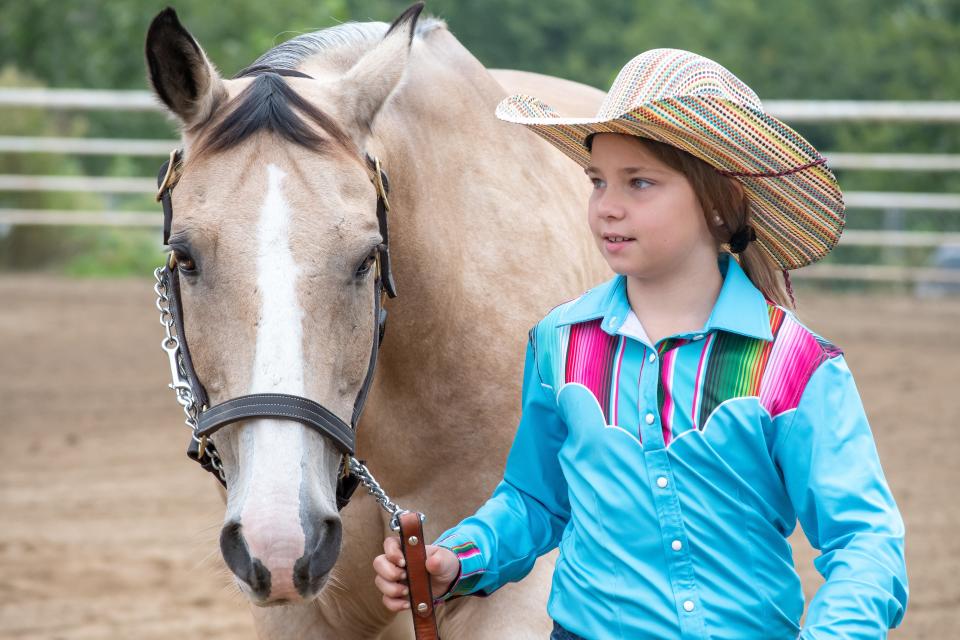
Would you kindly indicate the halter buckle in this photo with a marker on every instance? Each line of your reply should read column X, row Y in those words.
column 168, row 178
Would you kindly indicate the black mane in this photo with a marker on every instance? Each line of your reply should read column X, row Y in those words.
column 269, row 104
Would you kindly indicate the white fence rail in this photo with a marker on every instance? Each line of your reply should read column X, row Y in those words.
column 898, row 200
column 79, row 99
column 99, row 184
column 890, row 239
column 77, row 184
column 161, row 148
column 790, row 110
column 70, row 217
column 87, row 146
column 879, row 273
column 893, row 161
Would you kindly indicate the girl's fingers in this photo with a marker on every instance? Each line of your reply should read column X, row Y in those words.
column 389, row 570
column 391, row 548
column 390, row 575
column 442, row 563
column 391, row 589
column 395, row 604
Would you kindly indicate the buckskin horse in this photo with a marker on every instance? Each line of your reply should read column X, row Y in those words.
column 276, row 213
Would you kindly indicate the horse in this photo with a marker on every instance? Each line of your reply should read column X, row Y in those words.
column 275, row 233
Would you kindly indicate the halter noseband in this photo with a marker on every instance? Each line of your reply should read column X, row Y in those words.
column 211, row 419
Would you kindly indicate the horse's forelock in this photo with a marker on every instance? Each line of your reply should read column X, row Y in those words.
column 269, row 104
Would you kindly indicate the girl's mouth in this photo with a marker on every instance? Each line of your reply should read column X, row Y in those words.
column 616, row 243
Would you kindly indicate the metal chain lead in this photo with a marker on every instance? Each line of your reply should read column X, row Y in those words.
column 178, row 372
column 360, row 470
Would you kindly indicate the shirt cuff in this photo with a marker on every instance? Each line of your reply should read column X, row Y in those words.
column 471, row 565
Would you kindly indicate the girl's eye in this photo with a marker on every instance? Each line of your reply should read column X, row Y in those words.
column 597, row 183
column 640, row 183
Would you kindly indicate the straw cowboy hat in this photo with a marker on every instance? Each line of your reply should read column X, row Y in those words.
column 695, row 104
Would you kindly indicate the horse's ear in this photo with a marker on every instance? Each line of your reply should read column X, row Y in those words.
column 179, row 71
column 371, row 80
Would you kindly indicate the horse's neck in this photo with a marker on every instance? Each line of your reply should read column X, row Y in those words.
column 489, row 220
column 487, row 234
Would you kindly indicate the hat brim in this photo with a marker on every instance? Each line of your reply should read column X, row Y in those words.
column 798, row 216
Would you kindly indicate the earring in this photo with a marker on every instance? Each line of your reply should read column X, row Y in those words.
column 717, row 220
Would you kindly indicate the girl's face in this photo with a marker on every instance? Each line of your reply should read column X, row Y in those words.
column 644, row 215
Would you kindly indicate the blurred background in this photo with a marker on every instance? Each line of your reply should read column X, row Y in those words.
column 108, row 531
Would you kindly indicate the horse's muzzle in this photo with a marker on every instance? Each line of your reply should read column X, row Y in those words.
column 308, row 573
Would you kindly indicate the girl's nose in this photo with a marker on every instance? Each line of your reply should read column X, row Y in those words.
column 609, row 204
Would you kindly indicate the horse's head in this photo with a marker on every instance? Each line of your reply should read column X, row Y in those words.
column 275, row 231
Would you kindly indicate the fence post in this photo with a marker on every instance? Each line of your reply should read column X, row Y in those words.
column 893, row 220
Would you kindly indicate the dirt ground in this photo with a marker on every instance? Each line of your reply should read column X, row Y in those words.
column 107, row 531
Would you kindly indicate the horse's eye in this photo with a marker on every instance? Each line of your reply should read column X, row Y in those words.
column 185, row 262
column 368, row 262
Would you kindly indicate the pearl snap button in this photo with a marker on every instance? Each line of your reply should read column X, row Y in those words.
column 699, row 336
column 650, row 418
column 661, row 482
column 652, row 357
column 688, row 605
column 676, row 545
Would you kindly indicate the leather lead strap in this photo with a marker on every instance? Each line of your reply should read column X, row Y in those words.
column 421, row 596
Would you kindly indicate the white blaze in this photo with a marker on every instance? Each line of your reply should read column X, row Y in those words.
column 270, row 515
column 278, row 363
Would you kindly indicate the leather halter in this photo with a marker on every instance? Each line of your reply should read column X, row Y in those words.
column 278, row 405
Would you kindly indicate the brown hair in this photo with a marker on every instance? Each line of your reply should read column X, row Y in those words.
column 722, row 196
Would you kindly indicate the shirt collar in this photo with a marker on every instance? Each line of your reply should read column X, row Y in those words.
column 740, row 308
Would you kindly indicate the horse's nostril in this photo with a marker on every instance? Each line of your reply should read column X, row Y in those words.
column 323, row 542
column 237, row 556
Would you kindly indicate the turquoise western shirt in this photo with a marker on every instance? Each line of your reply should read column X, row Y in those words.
column 671, row 474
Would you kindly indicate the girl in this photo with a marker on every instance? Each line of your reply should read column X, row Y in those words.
column 678, row 419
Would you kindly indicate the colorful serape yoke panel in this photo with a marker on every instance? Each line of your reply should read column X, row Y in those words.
column 699, row 375
column 591, row 360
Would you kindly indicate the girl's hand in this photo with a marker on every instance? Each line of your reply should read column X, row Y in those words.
column 442, row 566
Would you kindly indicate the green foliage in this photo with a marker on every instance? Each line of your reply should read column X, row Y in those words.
column 99, row 43
column 816, row 49
column 110, row 252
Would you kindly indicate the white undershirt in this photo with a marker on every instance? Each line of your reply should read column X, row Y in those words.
column 632, row 328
